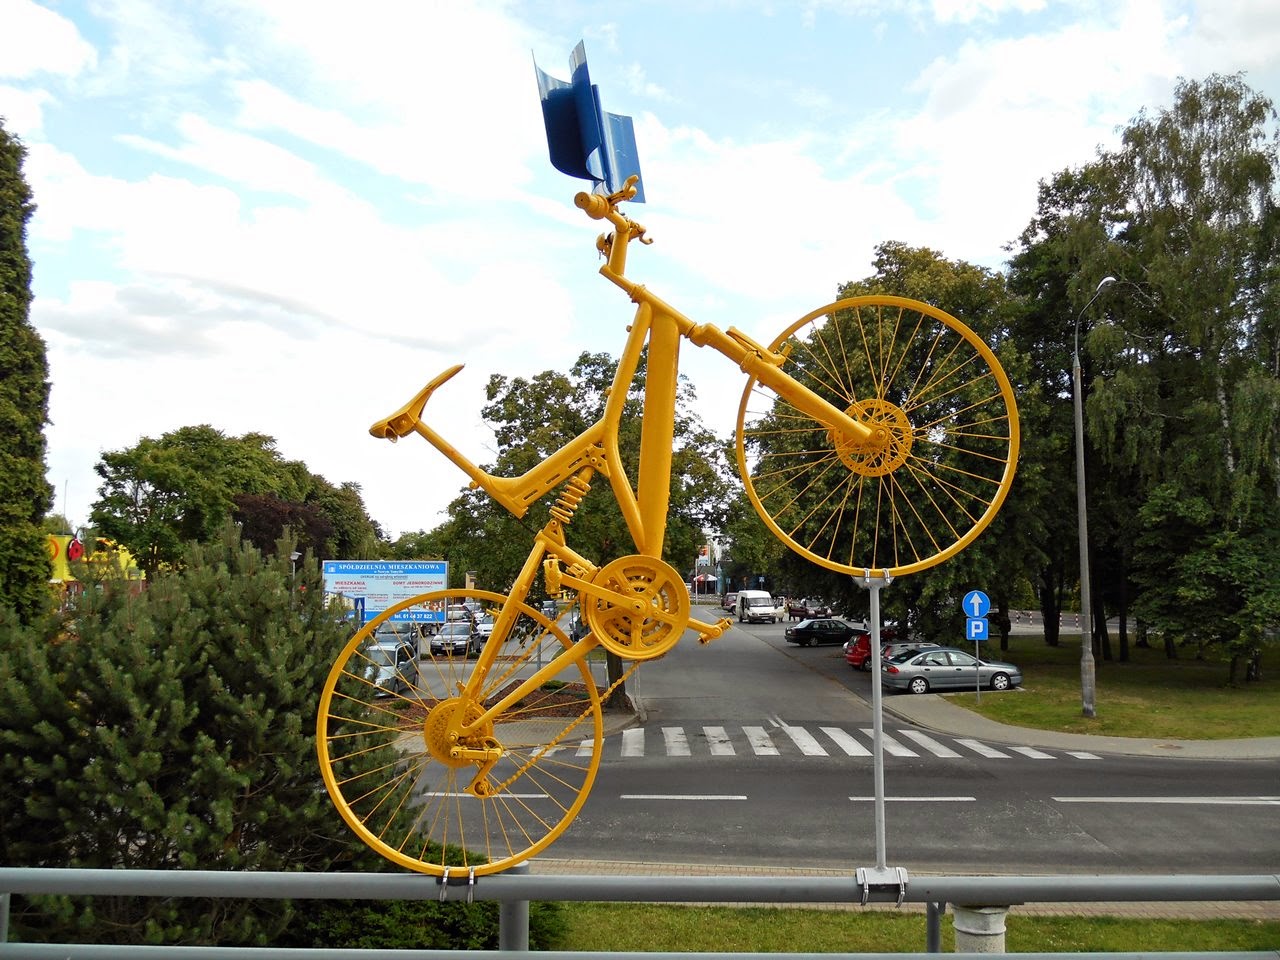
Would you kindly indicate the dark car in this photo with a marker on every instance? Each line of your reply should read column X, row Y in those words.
column 946, row 668
column 821, row 630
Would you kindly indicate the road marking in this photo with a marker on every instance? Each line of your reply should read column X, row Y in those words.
column 891, row 746
column 981, row 748
column 1033, row 753
column 677, row 743
column 584, row 748
column 760, row 741
column 846, row 742
column 633, row 742
column 930, row 744
column 1211, row 801
column 917, row 799
column 805, row 740
column 719, row 742
column 682, row 796
column 1081, row 755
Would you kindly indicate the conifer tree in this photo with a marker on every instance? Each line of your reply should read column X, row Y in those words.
column 25, row 494
column 172, row 728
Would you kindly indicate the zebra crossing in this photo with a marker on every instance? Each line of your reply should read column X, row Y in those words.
column 778, row 739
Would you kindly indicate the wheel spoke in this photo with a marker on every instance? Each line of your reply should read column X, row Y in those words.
column 931, row 387
column 385, row 745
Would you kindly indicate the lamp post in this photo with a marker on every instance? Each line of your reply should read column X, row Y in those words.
column 293, row 563
column 1087, row 682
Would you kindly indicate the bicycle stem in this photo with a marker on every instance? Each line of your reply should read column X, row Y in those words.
column 751, row 357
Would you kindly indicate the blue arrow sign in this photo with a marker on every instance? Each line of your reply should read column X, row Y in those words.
column 975, row 604
column 976, row 629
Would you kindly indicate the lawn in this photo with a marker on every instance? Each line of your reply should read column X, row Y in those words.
column 1149, row 696
column 649, row 928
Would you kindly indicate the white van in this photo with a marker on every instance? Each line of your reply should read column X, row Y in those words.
column 756, row 606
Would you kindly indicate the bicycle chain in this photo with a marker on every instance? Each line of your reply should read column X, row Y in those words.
column 567, row 730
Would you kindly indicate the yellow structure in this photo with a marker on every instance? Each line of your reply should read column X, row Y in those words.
column 107, row 558
column 877, row 436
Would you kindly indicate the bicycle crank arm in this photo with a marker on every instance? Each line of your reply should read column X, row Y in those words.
column 710, row 631
column 487, row 757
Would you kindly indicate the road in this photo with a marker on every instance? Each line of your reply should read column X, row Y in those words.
column 754, row 751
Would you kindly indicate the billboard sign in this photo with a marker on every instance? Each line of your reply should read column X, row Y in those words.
column 380, row 584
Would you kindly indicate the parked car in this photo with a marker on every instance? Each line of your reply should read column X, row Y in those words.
column 946, row 668
column 729, row 601
column 391, row 664
column 484, row 625
column 458, row 638
column 857, row 652
column 895, row 649
column 808, row 609
column 821, row 630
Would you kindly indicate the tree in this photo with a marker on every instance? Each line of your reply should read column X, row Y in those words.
column 171, row 728
column 162, row 494
column 25, row 494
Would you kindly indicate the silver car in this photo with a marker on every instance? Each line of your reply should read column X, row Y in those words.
column 946, row 668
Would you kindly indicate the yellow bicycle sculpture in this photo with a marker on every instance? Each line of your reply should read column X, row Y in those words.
column 876, row 436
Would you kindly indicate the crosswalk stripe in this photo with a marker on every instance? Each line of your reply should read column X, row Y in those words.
column 1033, row 753
column 760, row 741
column 584, row 749
column 719, row 742
column 982, row 749
column 930, row 744
column 846, row 742
column 891, row 746
column 633, row 742
column 805, row 740
column 677, row 743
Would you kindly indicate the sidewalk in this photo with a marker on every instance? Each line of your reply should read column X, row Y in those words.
column 934, row 712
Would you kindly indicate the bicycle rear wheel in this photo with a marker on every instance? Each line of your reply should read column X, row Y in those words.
column 383, row 738
column 950, row 416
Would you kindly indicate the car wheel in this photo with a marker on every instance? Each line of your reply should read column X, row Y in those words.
column 919, row 685
column 1000, row 681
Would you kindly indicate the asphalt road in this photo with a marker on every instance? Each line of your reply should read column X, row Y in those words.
column 754, row 751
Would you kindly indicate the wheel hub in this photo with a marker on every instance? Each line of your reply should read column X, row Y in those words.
column 435, row 730
column 889, row 444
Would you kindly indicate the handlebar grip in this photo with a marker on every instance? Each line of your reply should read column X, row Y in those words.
column 595, row 206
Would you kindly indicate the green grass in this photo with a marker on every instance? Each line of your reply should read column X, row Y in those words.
column 1149, row 696
column 649, row 928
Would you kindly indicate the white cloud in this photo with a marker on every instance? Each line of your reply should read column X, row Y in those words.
column 36, row 40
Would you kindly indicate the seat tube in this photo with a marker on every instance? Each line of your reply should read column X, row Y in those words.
column 653, row 488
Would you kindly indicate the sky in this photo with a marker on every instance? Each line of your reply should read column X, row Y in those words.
column 286, row 216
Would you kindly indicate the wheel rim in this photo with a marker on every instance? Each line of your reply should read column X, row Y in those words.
column 919, row 686
column 386, row 762
column 946, row 414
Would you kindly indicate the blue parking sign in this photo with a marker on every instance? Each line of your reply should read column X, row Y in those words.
column 976, row 629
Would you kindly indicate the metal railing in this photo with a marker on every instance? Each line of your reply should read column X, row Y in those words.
column 984, row 897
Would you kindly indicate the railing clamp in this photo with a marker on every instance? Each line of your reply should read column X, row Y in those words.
column 882, row 878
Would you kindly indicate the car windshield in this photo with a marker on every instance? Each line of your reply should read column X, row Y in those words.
column 455, row 630
column 384, row 655
column 759, row 602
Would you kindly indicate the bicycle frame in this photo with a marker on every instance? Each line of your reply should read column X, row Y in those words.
column 659, row 327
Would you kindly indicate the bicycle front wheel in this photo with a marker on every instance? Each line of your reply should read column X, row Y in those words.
column 920, row 377
column 412, row 789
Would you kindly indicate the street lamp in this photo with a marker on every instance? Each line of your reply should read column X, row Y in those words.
column 293, row 563
column 1087, row 681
